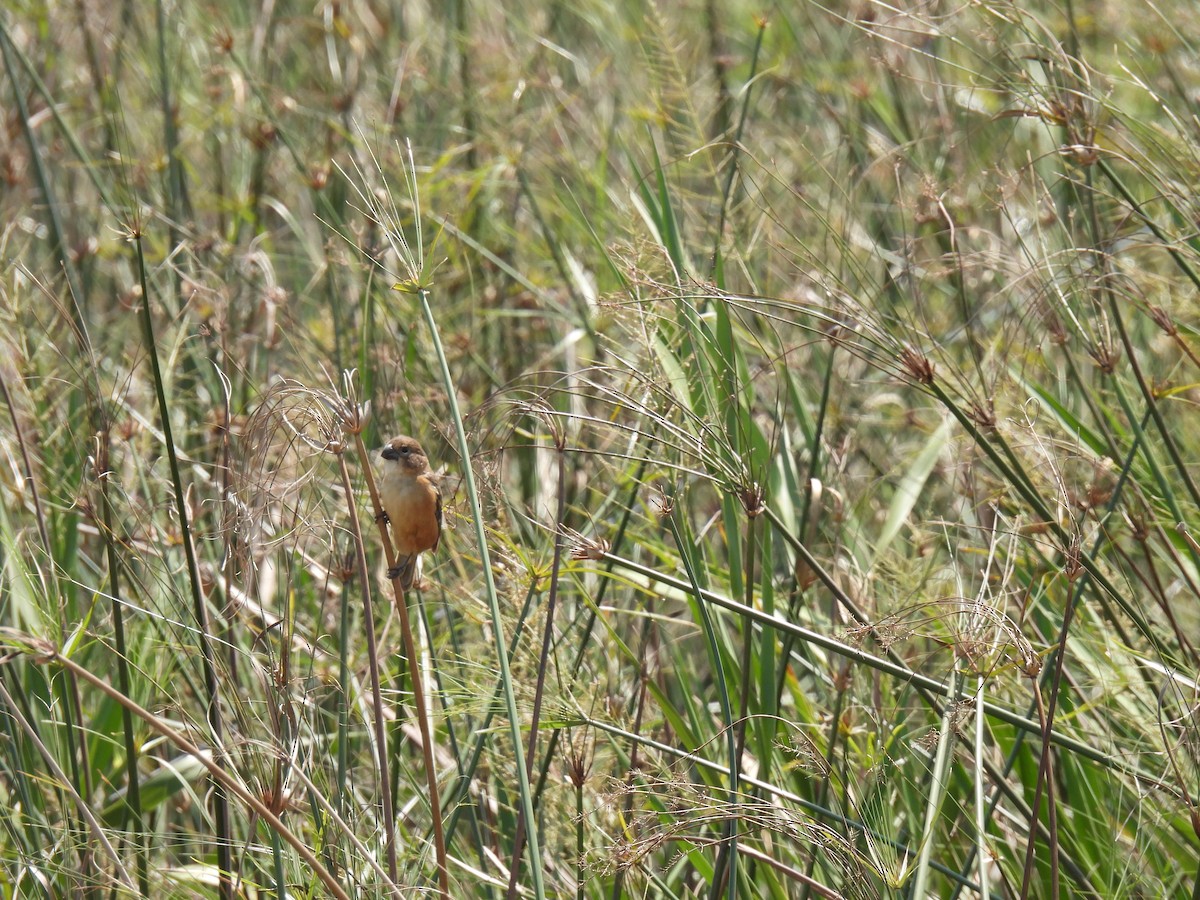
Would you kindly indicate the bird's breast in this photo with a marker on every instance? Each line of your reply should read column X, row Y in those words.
column 411, row 506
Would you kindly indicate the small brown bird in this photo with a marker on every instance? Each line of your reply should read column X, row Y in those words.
column 412, row 503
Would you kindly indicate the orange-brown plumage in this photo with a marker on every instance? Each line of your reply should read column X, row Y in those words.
column 412, row 501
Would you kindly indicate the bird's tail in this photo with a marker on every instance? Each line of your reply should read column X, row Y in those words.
column 410, row 570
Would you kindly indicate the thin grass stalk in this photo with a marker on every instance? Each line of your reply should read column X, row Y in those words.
column 462, row 39
column 1152, row 581
column 815, row 469
column 938, row 785
column 544, row 659
column 95, row 829
column 887, row 666
column 1035, row 813
column 1167, row 242
column 343, row 713
column 768, row 659
column 199, row 610
column 1087, row 393
column 75, row 747
column 981, row 811
column 277, row 868
column 360, row 560
column 714, row 651
column 735, row 144
column 422, row 712
column 793, row 873
column 593, row 615
column 774, row 790
column 20, row 776
column 216, row 771
column 1044, row 764
column 497, row 621
column 580, row 893
column 133, row 794
column 631, row 764
column 718, row 61
column 1108, row 590
column 455, row 746
column 458, row 791
column 420, row 705
column 35, row 494
column 1050, row 665
column 1164, row 432
column 58, row 237
column 729, row 847
column 841, row 682
column 77, row 750
column 176, row 200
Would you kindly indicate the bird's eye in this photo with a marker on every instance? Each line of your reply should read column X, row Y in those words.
column 405, row 450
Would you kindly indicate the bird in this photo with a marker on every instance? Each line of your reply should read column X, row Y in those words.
column 411, row 497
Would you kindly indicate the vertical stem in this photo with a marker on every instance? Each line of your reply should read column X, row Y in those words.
column 714, row 651
column 729, row 848
column 389, row 818
column 547, row 634
column 980, row 795
column 199, row 610
column 510, row 700
column 937, row 786
column 418, row 685
column 133, row 796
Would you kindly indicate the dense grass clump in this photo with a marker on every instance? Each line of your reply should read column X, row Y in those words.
column 816, row 392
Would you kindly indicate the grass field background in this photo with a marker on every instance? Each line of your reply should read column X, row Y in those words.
column 816, row 389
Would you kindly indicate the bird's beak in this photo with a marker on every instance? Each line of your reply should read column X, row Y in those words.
column 389, row 453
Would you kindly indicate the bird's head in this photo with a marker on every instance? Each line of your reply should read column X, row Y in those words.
column 406, row 453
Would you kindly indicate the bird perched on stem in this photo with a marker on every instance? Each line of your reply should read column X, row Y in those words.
column 412, row 503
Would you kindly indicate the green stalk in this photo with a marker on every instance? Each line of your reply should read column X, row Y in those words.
column 176, row 198
column 981, row 812
column 510, row 700
column 343, row 726
column 887, row 666
column 458, row 792
column 714, row 652
column 714, row 271
column 217, row 771
column 133, row 795
column 593, row 614
column 199, row 610
column 455, row 746
column 543, row 663
column 360, row 559
column 95, row 829
column 937, row 787
column 57, row 233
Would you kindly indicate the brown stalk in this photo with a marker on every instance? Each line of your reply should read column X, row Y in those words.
column 218, row 774
column 418, row 688
column 389, row 814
